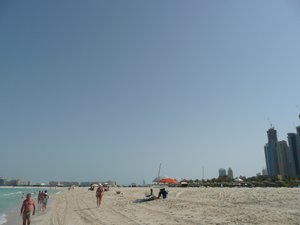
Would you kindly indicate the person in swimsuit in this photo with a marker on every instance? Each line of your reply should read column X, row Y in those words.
column 40, row 198
column 99, row 194
column 27, row 209
column 45, row 200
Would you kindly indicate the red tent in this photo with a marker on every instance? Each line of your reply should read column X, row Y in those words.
column 168, row 181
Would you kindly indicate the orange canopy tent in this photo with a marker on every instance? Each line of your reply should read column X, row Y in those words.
column 168, row 181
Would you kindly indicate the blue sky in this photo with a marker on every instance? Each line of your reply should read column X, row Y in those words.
column 98, row 90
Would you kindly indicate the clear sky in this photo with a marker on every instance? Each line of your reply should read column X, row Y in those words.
column 107, row 90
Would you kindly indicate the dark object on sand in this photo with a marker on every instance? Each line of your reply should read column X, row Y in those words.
column 162, row 192
column 91, row 188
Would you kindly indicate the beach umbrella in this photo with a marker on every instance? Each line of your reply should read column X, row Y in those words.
column 157, row 179
column 168, row 181
column 95, row 185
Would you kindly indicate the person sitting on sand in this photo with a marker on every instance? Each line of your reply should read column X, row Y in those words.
column 149, row 196
column 162, row 192
column 99, row 194
column 27, row 209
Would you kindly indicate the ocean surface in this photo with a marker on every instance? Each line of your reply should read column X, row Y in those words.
column 11, row 199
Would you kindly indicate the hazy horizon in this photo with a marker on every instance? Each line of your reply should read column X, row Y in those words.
column 107, row 90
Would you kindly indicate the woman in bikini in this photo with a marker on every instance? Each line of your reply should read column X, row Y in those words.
column 99, row 194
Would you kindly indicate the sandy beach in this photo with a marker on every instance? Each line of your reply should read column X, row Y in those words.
column 183, row 206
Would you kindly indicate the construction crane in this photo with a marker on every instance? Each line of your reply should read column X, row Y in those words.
column 299, row 111
column 271, row 125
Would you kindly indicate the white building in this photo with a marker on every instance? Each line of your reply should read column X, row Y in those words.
column 230, row 173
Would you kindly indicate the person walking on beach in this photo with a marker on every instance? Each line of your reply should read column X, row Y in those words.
column 99, row 194
column 27, row 209
column 40, row 198
column 45, row 200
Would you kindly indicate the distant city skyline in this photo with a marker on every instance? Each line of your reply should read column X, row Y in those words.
column 283, row 158
column 108, row 90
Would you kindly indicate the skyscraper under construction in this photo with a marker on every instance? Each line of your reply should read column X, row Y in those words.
column 283, row 158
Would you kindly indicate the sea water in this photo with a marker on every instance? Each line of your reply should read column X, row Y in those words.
column 11, row 199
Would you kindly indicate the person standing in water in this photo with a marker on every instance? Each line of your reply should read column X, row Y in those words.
column 40, row 198
column 27, row 209
column 99, row 194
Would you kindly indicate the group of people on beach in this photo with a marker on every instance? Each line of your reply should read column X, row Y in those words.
column 28, row 206
column 43, row 199
column 150, row 196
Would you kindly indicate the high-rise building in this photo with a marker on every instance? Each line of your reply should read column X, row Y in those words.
column 222, row 172
column 282, row 150
column 271, row 153
column 282, row 158
column 264, row 172
column 298, row 148
column 293, row 155
column 230, row 173
column 298, row 130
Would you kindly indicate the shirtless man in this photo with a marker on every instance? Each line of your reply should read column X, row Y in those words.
column 99, row 194
column 27, row 208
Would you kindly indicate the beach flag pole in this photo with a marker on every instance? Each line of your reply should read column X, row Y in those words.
column 159, row 170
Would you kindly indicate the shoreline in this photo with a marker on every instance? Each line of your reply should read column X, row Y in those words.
column 33, row 187
column 190, row 206
column 3, row 218
column 13, row 217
